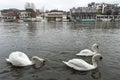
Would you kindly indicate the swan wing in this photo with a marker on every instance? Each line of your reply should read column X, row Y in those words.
column 8, row 60
column 79, row 64
column 19, row 59
column 85, row 52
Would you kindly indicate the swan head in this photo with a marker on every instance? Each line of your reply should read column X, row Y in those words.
column 101, row 58
column 40, row 59
column 43, row 61
column 98, row 56
column 95, row 47
column 95, row 58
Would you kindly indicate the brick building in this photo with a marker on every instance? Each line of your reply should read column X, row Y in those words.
column 10, row 14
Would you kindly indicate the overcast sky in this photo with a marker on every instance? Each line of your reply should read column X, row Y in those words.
column 50, row 4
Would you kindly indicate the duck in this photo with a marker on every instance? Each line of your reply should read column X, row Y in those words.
column 18, row 58
column 81, row 65
column 88, row 52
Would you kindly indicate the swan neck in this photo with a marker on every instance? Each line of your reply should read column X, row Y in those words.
column 94, row 61
column 33, row 60
column 36, row 57
column 94, row 48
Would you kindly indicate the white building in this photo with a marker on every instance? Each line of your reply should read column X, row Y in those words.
column 0, row 16
column 24, row 14
column 56, row 15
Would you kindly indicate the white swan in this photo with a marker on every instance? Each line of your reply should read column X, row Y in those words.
column 21, row 59
column 87, row 52
column 81, row 65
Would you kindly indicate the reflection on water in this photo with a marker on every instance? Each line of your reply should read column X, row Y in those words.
column 96, row 74
column 57, row 42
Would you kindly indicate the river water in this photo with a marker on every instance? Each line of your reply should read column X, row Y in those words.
column 57, row 42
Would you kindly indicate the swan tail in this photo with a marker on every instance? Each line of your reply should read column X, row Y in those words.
column 81, row 55
column 84, row 55
column 78, row 54
column 7, row 60
column 64, row 62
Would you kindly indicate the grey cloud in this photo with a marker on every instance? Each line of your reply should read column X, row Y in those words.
column 50, row 4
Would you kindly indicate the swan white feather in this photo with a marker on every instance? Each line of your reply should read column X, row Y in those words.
column 21, row 59
column 87, row 52
column 81, row 65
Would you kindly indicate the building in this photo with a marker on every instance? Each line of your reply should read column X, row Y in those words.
column 56, row 15
column 10, row 15
column 24, row 14
column 1, row 16
column 30, row 13
column 111, row 9
column 83, row 13
column 27, row 15
column 105, row 8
